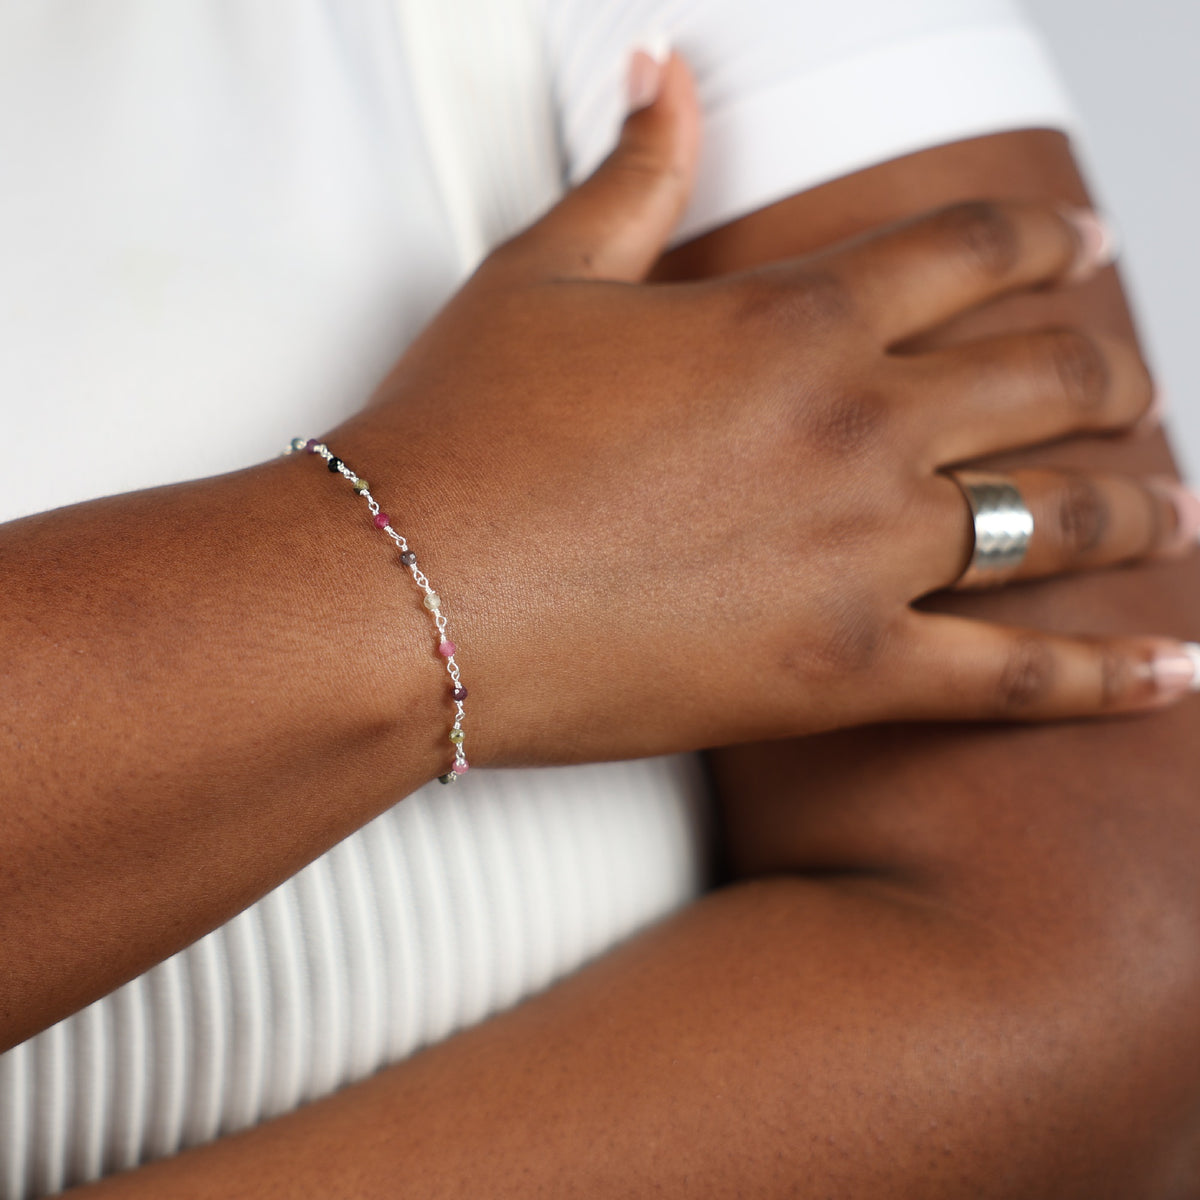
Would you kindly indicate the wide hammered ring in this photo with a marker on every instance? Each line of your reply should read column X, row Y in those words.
column 1003, row 528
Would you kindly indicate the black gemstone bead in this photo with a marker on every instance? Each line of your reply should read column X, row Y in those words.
column 449, row 777
column 335, row 465
column 408, row 558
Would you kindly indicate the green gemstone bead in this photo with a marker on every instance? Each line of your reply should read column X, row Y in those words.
column 449, row 777
column 298, row 443
column 361, row 485
column 432, row 601
column 456, row 736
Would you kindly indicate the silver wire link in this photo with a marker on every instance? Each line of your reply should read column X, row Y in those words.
column 460, row 764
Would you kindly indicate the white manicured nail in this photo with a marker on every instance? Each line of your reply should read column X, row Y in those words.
column 1186, row 503
column 657, row 45
column 1177, row 671
column 646, row 70
column 1192, row 650
column 1097, row 243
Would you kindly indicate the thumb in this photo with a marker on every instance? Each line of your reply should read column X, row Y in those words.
column 615, row 224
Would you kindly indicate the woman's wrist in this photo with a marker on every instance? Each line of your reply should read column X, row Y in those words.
column 397, row 547
column 344, row 595
column 214, row 682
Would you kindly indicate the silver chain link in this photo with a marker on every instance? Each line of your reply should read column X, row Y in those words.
column 460, row 764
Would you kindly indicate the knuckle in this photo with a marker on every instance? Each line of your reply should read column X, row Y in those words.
column 1082, row 516
column 984, row 234
column 1080, row 367
column 844, row 424
column 1027, row 677
column 824, row 298
column 854, row 638
column 813, row 302
column 645, row 167
column 754, row 303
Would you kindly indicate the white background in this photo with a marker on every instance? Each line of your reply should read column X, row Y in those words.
column 1131, row 66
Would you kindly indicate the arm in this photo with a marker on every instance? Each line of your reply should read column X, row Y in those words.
column 286, row 658
column 876, row 1029
column 169, row 654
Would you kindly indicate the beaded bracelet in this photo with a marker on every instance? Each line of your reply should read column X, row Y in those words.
column 432, row 601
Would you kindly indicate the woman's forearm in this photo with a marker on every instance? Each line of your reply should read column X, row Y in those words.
column 212, row 683
column 838, row 1031
column 784, row 1038
column 204, row 686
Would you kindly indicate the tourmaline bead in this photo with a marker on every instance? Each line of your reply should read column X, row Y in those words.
column 311, row 445
column 461, row 768
column 382, row 520
column 446, row 649
column 447, row 778
column 432, row 601
column 456, row 736
column 408, row 558
column 459, row 693
column 298, row 443
column 361, row 485
column 335, row 465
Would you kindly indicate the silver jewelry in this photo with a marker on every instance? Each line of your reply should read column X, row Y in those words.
column 431, row 600
column 1003, row 528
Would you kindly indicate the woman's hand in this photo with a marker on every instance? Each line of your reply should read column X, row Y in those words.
column 671, row 516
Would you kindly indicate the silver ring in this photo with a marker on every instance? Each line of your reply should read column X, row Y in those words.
column 1003, row 528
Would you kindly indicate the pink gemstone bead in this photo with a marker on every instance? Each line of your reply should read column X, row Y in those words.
column 311, row 445
column 445, row 649
column 461, row 768
column 382, row 520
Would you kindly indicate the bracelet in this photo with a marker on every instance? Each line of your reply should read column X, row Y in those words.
column 431, row 600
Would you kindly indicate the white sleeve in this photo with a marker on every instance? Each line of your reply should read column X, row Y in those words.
column 796, row 92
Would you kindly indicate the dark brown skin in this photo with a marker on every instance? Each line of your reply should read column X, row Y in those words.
column 969, row 969
column 1077, row 845
column 178, row 651
column 991, row 994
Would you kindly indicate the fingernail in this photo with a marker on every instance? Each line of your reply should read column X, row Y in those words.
column 1177, row 671
column 646, row 71
column 1097, row 243
column 1187, row 513
column 1152, row 418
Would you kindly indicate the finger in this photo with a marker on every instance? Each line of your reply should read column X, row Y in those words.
column 1081, row 522
column 919, row 275
column 959, row 669
column 1002, row 393
column 616, row 223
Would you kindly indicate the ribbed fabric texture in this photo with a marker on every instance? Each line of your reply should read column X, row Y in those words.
column 453, row 904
